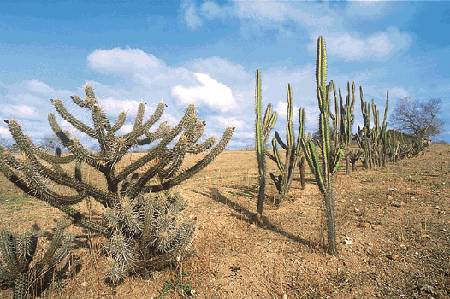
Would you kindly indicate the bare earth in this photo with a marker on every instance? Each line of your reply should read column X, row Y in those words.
column 393, row 228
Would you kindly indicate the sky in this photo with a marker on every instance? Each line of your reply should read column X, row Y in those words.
column 207, row 52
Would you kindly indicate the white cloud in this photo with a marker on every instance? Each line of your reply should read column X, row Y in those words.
column 230, row 122
column 18, row 111
column 4, row 132
column 190, row 14
column 115, row 106
column 38, row 87
column 215, row 95
column 123, row 61
column 352, row 46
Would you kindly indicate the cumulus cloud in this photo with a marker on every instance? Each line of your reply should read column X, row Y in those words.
column 209, row 92
column 122, row 61
column 353, row 46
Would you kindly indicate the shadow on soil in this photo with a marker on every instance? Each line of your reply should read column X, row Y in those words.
column 249, row 217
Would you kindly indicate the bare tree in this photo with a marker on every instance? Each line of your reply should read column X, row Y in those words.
column 418, row 118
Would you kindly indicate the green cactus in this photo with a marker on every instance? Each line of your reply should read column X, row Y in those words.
column 372, row 140
column 17, row 268
column 325, row 164
column 292, row 150
column 262, row 128
column 346, row 122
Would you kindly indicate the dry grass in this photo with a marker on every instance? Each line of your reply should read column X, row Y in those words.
column 396, row 219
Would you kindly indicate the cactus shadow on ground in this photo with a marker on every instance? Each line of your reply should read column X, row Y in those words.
column 249, row 217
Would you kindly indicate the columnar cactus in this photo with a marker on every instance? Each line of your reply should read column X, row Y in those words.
column 292, row 150
column 347, row 118
column 262, row 129
column 325, row 164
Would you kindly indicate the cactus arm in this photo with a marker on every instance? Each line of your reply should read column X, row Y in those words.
column 154, row 152
column 74, row 145
column 186, row 174
column 119, row 122
column 139, row 116
column 280, row 141
column 276, row 155
column 67, row 116
column 321, row 64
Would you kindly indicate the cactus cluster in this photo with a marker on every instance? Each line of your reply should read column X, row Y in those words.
column 373, row 140
column 147, row 233
column 19, row 267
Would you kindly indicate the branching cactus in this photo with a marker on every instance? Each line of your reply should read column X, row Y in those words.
column 18, row 266
column 41, row 174
column 33, row 174
column 147, row 233
column 324, row 163
column 292, row 150
column 262, row 129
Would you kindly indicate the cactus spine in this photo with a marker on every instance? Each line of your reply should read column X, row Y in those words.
column 325, row 167
column 262, row 128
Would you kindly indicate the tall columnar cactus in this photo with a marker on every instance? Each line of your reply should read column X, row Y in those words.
column 324, row 163
column 40, row 174
column 347, row 118
column 262, row 128
column 292, row 150
column 17, row 268
column 364, row 135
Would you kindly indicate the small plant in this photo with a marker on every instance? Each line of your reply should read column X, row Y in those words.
column 20, row 269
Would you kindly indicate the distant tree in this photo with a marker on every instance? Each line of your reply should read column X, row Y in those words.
column 418, row 118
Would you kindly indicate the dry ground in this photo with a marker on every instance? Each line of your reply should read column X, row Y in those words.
column 393, row 228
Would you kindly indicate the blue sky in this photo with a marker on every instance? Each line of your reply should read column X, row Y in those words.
column 206, row 52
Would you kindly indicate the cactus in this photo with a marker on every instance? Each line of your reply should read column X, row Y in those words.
column 30, row 175
column 354, row 155
column 292, row 149
column 147, row 233
column 17, row 268
column 325, row 165
column 40, row 172
column 262, row 129
column 346, row 121
column 373, row 140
